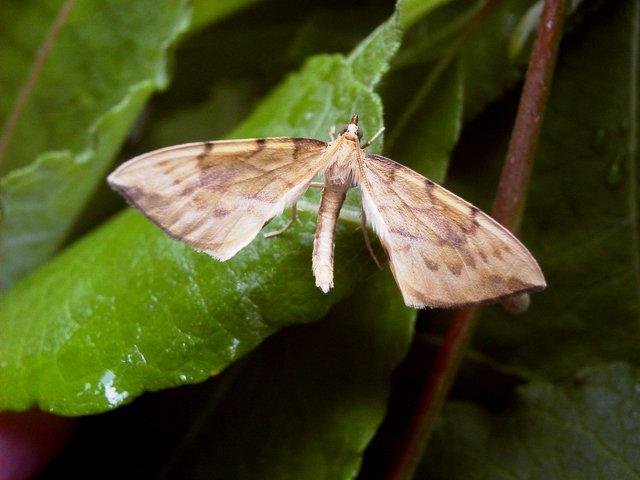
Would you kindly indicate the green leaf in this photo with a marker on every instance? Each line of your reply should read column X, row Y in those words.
column 489, row 69
column 587, row 429
column 581, row 219
column 438, row 76
column 434, row 129
column 319, row 389
column 128, row 309
column 206, row 11
column 304, row 404
column 105, row 63
column 412, row 10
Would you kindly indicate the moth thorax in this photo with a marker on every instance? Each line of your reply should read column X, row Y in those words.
column 340, row 173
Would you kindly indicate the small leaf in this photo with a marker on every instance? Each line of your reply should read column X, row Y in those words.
column 587, row 430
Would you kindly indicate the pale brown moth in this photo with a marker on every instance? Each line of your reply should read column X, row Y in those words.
column 216, row 196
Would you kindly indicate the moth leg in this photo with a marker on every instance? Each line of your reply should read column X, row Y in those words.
column 294, row 216
column 332, row 132
column 372, row 139
column 367, row 240
column 316, row 185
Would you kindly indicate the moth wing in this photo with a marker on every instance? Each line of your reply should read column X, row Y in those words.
column 444, row 252
column 216, row 196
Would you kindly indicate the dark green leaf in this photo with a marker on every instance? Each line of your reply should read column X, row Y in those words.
column 586, row 430
column 434, row 129
column 489, row 70
column 425, row 90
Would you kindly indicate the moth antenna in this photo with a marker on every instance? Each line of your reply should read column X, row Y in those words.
column 372, row 139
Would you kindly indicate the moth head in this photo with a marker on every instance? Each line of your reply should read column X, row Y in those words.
column 352, row 131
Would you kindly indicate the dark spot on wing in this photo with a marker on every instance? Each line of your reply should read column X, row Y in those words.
column 403, row 232
column 261, row 144
column 431, row 265
column 468, row 258
column 137, row 195
column 262, row 196
column 449, row 236
column 455, row 268
column 474, row 215
column 302, row 144
column 206, row 149
column 473, row 225
column 220, row 212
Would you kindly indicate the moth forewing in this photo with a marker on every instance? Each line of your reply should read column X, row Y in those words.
column 443, row 251
column 216, row 196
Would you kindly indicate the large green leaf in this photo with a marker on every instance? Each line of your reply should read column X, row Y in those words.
column 128, row 309
column 302, row 405
column 106, row 61
column 581, row 220
column 587, row 429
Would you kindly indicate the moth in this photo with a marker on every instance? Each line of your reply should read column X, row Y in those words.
column 216, row 196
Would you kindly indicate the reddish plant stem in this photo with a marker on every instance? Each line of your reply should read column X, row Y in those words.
column 507, row 209
column 509, row 202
